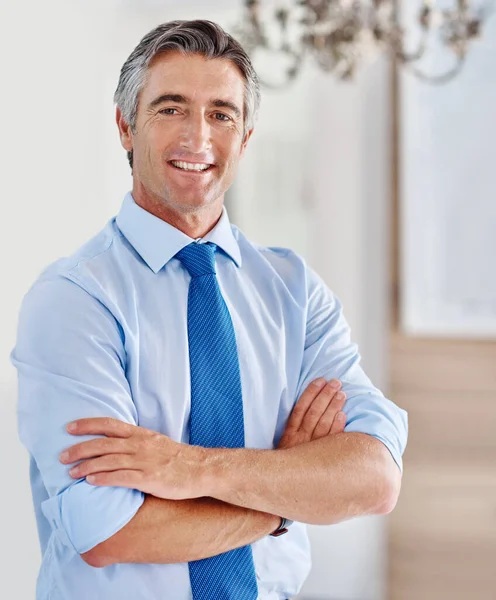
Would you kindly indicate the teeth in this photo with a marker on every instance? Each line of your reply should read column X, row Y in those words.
column 189, row 166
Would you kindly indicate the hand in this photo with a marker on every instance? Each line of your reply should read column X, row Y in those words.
column 316, row 414
column 135, row 457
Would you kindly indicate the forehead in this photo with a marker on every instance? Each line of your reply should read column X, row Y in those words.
column 193, row 76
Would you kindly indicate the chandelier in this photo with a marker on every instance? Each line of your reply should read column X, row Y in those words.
column 340, row 34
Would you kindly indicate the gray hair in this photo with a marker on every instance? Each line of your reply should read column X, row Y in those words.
column 188, row 37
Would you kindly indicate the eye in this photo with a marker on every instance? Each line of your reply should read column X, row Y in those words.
column 224, row 117
column 163, row 111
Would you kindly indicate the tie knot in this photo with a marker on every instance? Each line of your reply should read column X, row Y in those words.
column 198, row 259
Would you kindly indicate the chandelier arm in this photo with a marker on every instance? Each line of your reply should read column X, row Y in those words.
column 438, row 79
column 412, row 56
column 291, row 73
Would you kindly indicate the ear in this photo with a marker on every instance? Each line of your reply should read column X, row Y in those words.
column 125, row 132
column 245, row 142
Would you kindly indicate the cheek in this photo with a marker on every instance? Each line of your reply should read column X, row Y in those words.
column 158, row 139
column 230, row 152
column 148, row 149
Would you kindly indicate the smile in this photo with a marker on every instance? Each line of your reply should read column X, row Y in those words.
column 192, row 167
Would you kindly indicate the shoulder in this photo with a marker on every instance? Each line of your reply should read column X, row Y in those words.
column 284, row 263
column 93, row 254
column 69, row 284
column 61, row 319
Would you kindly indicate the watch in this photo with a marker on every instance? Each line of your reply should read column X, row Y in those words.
column 283, row 527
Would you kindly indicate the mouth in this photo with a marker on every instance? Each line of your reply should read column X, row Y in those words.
column 191, row 168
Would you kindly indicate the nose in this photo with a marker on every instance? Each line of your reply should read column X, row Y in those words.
column 195, row 135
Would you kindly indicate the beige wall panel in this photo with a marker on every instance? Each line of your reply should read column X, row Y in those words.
column 442, row 534
column 439, row 365
column 453, row 424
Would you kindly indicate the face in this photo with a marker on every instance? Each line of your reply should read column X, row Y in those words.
column 188, row 137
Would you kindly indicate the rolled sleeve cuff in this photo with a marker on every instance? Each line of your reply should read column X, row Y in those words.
column 84, row 515
column 391, row 432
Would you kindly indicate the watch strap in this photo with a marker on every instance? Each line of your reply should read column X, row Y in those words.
column 283, row 527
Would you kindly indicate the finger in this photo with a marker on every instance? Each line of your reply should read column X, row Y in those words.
column 124, row 478
column 304, row 401
column 101, row 426
column 96, row 447
column 318, row 408
column 109, row 462
column 339, row 423
column 323, row 427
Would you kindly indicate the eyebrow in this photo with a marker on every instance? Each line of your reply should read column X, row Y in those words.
column 180, row 99
column 227, row 104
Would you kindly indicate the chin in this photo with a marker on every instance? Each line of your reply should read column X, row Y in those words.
column 192, row 200
column 190, row 204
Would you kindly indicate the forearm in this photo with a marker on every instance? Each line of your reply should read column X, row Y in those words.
column 323, row 482
column 171, row 531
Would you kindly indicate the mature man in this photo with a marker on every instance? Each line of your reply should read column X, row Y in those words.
column 178, row 350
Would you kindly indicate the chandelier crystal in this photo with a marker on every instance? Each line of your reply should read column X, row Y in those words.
column 341, row 34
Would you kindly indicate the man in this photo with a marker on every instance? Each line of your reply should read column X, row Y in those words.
column 177, row 349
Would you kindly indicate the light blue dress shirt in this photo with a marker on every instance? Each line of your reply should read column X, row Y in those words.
column 104, row 333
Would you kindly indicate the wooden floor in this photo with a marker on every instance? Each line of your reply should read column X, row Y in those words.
column 442, row 534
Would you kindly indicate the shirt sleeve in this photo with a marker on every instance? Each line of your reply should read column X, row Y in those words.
column 330, row 353
column 71, row 364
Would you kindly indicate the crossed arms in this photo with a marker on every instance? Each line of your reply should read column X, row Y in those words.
column 228, row 498
column 234, row 495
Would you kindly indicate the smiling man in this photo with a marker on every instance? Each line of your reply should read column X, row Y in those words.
column 218, row 402
column 187, row 138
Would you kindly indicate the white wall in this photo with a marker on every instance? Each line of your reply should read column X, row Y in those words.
column 61, row 163
column 446, row 161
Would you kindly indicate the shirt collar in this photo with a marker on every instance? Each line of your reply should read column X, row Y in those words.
column 157, row 241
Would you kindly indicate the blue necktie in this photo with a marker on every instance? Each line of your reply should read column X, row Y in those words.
column 216, row 411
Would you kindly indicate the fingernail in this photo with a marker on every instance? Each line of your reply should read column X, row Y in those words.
column 71, row 427
column 320, row 382
column 64, row 455
column 340, row 396
column 335, row 383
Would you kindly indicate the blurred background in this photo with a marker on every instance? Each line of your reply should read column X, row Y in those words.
column 385, row 183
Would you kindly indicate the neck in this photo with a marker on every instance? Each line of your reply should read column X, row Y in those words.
column 195, row 222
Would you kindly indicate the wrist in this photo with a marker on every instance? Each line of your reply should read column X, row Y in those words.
column 210, row 472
